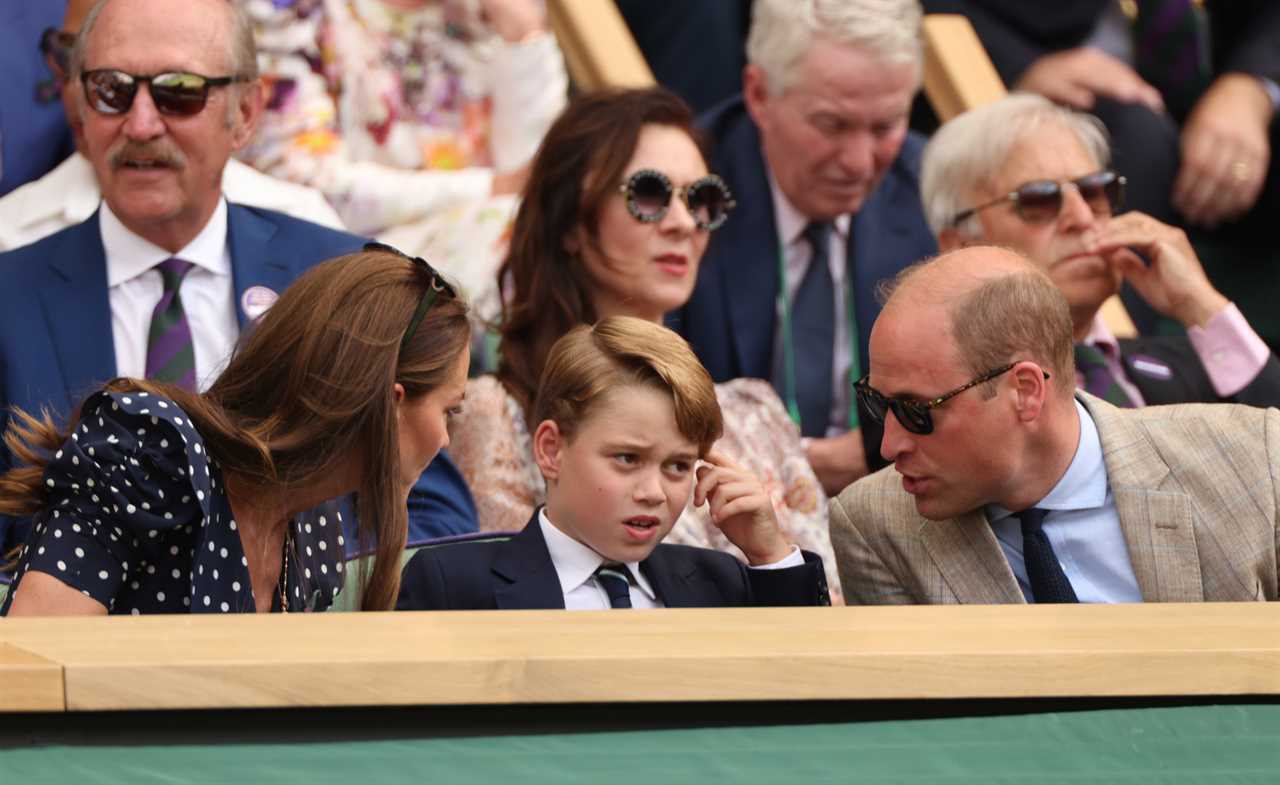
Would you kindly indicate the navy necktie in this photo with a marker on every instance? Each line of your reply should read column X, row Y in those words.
column 616, row 583
column 1048, row 582
column 813, row 334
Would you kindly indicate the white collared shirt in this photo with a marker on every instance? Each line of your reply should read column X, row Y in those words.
column 576, row 565
column 797, row 252
column 1083, row 526
column 135, row 287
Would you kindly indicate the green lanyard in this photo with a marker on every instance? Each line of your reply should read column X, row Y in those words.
column 788, row 350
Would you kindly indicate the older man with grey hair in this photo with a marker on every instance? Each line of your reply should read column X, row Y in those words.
column 1025, row 173
column 824, row 170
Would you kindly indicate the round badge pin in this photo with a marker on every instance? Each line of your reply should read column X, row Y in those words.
column 256, row 300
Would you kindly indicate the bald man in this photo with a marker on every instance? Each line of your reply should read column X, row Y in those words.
column 1010, row 486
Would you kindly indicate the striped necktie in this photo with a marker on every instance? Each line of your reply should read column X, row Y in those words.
column 1171, row 50
column 1098, row 378
column 616, row 583
column 170, row 354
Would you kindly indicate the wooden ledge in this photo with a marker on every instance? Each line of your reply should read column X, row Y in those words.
column 179, row 662
column 29, row 682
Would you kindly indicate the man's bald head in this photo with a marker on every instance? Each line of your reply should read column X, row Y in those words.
column 999, row 307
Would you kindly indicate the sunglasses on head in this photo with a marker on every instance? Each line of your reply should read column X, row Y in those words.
column 914, row 415
column 177, row 93
column 1040, row 201
column 438, row 285
column 649, row 191
column 56, row 45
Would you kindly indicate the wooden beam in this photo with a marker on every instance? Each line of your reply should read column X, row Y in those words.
column 29, row 682
column 598, row 47
column 958, row 75
column 531, row 657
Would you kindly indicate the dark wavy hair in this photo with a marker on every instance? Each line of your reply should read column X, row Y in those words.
column 580, row 164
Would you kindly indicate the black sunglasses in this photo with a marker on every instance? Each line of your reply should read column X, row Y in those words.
column 913, row 415
column 1040, row 201
column 177, row 93
column 649, row 191
column 56, row 45
column 438, row 285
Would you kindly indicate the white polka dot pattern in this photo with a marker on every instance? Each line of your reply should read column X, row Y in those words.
column 125, row 495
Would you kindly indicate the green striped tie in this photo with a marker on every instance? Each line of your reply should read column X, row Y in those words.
column 170, row 354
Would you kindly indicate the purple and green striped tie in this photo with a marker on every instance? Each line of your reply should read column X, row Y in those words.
column 1098, row 378
column 170, row 355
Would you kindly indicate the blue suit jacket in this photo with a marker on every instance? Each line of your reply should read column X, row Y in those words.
column 516, row 573
column 730, row 319
column 56, row 341
column 34, row 135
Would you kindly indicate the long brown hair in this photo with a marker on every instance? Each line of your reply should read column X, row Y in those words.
column 309, row 389
column 579, row 165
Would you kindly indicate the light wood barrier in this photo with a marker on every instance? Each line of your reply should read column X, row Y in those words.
column 550, row 657
column 599, row 50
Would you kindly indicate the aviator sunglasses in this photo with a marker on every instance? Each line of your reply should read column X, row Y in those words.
column 914, row 415
column 177, row 93
column 649, row 192
column 1040, row 201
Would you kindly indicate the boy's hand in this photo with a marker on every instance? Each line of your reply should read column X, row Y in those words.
column 741, row 508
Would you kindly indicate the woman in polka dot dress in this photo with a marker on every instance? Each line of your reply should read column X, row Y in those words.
column 157, row 500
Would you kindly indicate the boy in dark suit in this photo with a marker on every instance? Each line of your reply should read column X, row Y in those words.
column 624, row 414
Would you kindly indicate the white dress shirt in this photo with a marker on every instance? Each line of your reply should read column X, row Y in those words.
column 797, row 252
column 576, row 565
column 134, row 287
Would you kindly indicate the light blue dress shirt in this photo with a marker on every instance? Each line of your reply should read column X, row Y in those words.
column 1083, row 527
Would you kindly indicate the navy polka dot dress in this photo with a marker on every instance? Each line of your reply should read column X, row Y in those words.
column 138, row 519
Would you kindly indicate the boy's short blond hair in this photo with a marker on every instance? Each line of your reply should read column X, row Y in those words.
column 591, row 361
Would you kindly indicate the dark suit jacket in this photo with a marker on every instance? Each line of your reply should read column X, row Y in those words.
column 34, row 135
column 1017, row 32
column 55, row 319
column 516, row 573
column 1187, row 381
column 730, row 319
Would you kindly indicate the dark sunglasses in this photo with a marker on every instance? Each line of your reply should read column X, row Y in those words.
column 56, row 45
column 649, row 191
column 913, row 415
column 177, row 93
column 438, row 285
column 1040, row 201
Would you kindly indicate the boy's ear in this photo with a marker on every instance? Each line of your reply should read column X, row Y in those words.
column 548, row 445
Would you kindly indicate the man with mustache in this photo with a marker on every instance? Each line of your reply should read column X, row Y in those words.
column 68, row 194
column 1009, row 485
column 160, row 281
column 1025, row 173
column 817, row 153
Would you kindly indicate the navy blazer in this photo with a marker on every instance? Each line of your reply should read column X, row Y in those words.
column 516, row 573
column 730, row 319
column 34, row 135
column 55, row 322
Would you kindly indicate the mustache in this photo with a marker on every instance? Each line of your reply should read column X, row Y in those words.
column 159, row 153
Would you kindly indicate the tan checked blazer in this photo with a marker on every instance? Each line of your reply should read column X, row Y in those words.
column 1195, row 486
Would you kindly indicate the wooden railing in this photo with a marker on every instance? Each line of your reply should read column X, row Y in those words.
column 543, row 657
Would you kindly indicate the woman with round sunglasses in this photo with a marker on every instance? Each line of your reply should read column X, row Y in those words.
column 614, row 222
column 158, row 500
